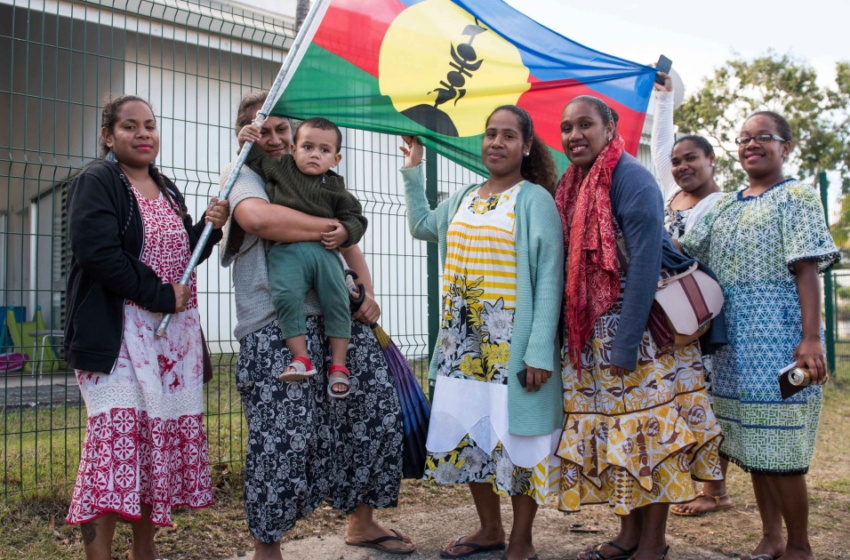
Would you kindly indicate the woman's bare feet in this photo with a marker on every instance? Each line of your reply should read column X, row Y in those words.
column 704, row 503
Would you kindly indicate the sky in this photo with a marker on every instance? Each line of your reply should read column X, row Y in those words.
column 699, row 36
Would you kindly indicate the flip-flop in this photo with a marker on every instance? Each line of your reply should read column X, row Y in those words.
column 535, row 557
column 378, row 544
column 476, row 549
column 764, row 556
column 663, row 554
column 596, row 555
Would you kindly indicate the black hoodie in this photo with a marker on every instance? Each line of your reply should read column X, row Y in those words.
column 107, row 239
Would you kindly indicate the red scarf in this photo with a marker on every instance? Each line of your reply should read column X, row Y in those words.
column 593, row 278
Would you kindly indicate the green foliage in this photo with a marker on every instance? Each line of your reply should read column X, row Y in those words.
column 819, row 117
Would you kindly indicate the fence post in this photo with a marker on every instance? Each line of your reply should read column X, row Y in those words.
column 432, row 193
column 829, row 299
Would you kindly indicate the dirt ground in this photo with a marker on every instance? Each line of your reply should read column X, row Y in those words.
column 552, row 536
column 432, row 515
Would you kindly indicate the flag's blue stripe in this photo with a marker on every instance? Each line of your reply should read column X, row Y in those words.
column 550, row 56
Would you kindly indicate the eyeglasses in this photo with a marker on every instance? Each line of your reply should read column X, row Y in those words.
column 759, row 138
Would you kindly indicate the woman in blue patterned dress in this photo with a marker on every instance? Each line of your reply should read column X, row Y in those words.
column 767, row 245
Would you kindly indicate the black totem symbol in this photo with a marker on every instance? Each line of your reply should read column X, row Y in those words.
column 465, row 63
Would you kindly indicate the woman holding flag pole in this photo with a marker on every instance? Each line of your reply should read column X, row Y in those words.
column 303, row 448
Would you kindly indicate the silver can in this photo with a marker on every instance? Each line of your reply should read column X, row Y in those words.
column 800, row 377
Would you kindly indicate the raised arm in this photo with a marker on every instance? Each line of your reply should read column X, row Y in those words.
column 663, row 136
column 421, row 220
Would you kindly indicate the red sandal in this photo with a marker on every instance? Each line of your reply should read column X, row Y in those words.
column 338, row 375
column 299, row 368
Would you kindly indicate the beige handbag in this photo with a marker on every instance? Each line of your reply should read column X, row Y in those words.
column 684, row 306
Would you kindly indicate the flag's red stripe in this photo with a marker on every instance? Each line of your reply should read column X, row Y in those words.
column 354, row 30
column 545, row 105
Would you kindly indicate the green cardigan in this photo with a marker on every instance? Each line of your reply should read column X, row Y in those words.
column 540, row 286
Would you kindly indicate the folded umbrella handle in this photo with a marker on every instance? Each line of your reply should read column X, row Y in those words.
column 356, row 301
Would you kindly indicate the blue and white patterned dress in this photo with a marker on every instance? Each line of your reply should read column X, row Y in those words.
column 752, row 244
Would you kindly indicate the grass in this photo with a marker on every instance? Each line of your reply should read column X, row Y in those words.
column 41, row 445
column 33, row 527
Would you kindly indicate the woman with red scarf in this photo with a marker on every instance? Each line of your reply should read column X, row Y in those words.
column 638, row 424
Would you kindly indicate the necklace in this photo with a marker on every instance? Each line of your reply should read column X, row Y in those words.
column 490, row 192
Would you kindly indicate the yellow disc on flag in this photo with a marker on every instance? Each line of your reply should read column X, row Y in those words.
column 446, row 71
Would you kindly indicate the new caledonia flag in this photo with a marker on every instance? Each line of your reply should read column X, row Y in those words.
column 438, row 68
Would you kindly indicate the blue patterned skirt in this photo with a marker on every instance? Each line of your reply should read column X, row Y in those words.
column 763, row 433
column 304, row 447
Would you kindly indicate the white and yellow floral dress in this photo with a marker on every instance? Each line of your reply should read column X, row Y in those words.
column 468, row 438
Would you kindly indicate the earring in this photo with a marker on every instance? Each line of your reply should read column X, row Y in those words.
column 527, row 154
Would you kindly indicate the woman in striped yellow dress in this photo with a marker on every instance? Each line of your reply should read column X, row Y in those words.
column 502, row 250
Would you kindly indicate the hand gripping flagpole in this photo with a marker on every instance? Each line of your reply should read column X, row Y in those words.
column 262, row 114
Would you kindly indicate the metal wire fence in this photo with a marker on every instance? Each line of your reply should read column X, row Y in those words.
column 838, row 323
column 193, row 61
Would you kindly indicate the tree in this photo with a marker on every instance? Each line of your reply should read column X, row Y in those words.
column 819, row 117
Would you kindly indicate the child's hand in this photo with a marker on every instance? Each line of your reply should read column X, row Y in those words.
column 333, row 239
column 809, row 355
column 248, row 133
column 217, row 212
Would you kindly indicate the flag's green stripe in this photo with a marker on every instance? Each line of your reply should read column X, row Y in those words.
column 325, row 85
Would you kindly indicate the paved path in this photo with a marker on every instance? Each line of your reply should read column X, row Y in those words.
column 18, row 389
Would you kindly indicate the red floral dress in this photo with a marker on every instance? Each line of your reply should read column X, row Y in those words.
column 145, row 440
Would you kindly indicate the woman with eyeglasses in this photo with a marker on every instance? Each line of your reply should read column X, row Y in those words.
column 767, row 245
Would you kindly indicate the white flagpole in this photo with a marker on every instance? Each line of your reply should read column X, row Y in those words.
column 293, row 54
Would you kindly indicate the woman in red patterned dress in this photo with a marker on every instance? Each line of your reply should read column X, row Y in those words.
column 145, row 450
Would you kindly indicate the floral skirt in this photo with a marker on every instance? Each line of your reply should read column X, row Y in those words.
column 469, row 440
column 145, row 441
column 304, row 447
column 639, row 439
column 470, row 463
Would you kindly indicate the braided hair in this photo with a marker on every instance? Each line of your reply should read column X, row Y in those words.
column 108, row 120
column 538, row 166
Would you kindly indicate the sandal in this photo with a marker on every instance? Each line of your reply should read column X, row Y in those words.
column 299, row 368
column 338, row 375
column 378, row 544
column 717, row 506
column 663, row 554
column 763, row 556
column 596, row 555
column 476, row 549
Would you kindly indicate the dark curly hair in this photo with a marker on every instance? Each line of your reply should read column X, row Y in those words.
column 108, row 119
column 244, row 115
column 538, row 166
